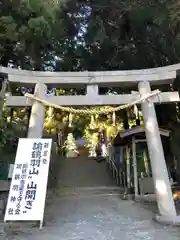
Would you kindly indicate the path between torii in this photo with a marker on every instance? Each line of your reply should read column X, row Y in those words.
column 87, row 206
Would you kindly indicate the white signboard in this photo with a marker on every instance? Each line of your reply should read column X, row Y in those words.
column 29, row 181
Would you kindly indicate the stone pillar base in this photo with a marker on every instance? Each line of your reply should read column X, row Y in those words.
column 167, row 220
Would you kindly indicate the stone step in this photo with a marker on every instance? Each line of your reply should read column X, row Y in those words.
column 88, row 191
column 83, row 172
column 84, row 158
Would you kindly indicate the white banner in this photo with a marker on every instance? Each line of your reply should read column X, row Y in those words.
column 29, row 181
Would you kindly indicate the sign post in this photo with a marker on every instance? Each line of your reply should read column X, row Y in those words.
column 27, row 194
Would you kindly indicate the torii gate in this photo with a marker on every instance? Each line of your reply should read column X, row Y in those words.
column 142, row 79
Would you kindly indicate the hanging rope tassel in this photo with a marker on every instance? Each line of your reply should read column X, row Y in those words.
column 70, row 119
column 50, row 112
column 114, row 119
column 92, row 124
column 136, row 111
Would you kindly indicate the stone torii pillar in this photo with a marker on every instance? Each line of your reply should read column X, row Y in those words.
column 161, row 181
column 36, row 121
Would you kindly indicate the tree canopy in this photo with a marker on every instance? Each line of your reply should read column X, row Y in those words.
column 89, row 35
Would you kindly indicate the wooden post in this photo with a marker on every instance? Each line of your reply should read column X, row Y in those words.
column 124, row 167
column 28, row 113
column 36, row 121
column 136, row 190
column 128, row 170
column 121, row 166
column 162, row 185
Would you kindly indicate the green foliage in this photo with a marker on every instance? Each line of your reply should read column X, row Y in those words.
column 89, row 35
column 8, row 139
column 12, row 127
column 30, row 32
column 5, row 134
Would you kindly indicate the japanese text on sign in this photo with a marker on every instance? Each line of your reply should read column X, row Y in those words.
column 29, row 182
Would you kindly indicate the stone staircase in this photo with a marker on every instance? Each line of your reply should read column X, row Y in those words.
column 84, row 177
